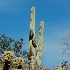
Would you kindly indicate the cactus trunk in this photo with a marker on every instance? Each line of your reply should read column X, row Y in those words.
column 32, row 34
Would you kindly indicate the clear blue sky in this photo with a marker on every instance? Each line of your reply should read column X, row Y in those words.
column 15, row 21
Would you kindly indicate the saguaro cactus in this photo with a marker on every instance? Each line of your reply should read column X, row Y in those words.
column 40, row 44
column 32, row 41
column 32, row 34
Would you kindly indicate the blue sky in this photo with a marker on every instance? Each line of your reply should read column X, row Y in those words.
column 15, row 21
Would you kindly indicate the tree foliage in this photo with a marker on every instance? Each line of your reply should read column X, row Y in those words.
column 7, row 43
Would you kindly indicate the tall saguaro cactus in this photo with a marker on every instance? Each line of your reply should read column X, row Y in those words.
column 32, row 41
column 40, row 44
column 32, row 34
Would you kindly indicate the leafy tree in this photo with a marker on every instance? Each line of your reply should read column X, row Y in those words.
column 7, row 43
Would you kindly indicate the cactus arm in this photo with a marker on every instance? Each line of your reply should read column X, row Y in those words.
column 40, row 44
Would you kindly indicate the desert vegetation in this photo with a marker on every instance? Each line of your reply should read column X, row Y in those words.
column 13, row 57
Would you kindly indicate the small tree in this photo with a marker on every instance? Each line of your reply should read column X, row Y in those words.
column 9, row 44
column 66, row 44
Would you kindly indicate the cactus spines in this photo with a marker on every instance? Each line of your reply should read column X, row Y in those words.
column 40, row 44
